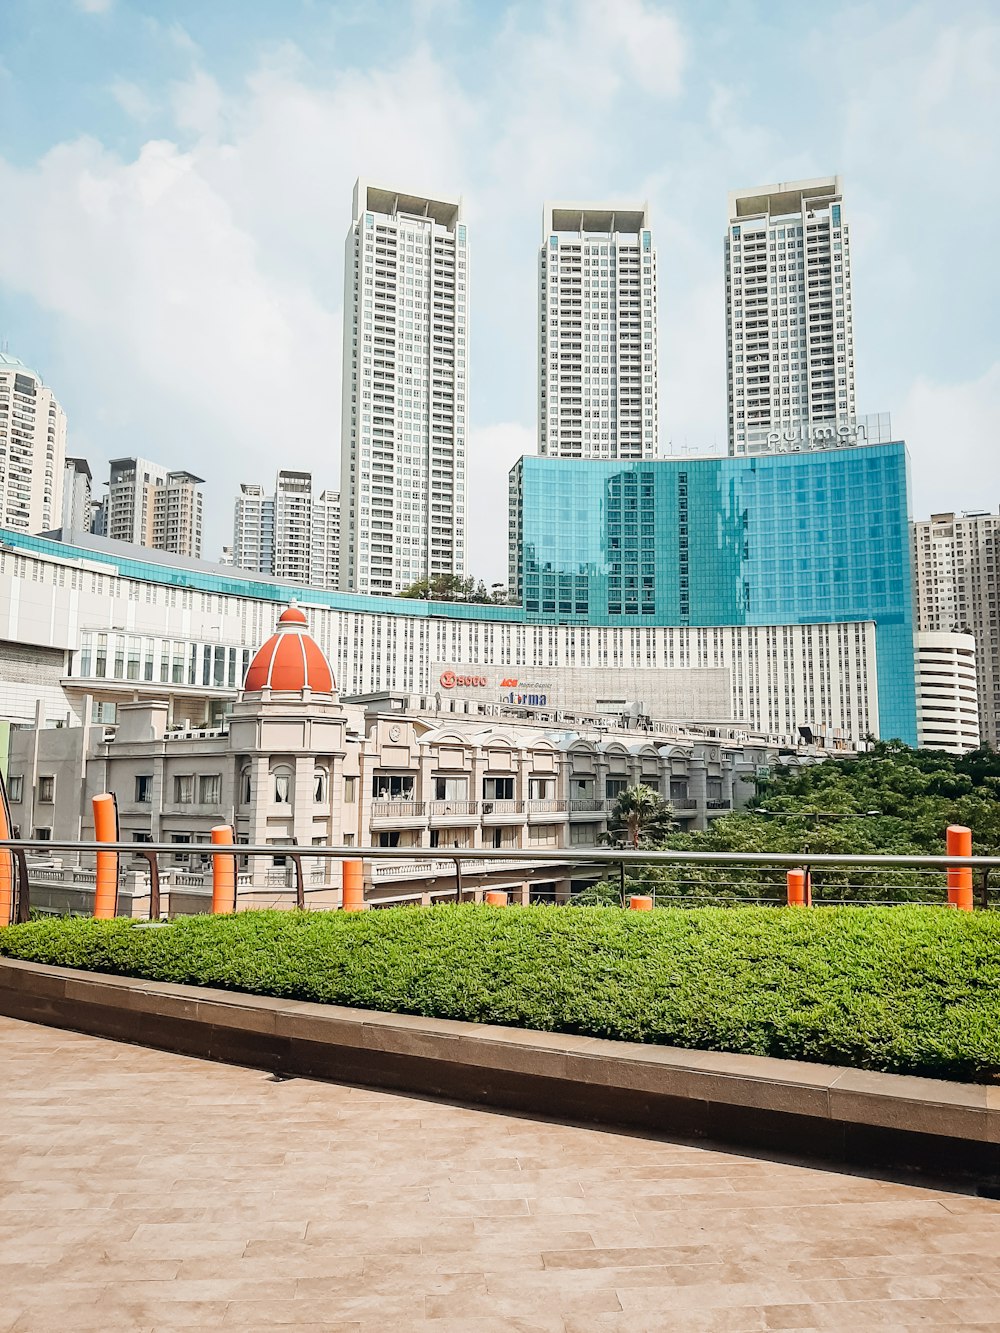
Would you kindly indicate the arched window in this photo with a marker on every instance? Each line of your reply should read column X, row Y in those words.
column 282, row 779
column 319, row 785
column 245, row 784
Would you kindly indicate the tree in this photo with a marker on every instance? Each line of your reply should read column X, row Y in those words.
column 449, row 588
column 639, row 814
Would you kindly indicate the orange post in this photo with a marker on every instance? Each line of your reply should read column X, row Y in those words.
column 354, row 886
column 496, row 898
column 223, row 872
column 796, row 887
column 106, row 830
column 640, row 902
column 958, row 842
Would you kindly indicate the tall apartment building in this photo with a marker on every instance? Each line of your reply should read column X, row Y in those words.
column 597, row 382
column 789, row 338
column 956, row 564
column 405, row 376
column 292, row 534
column 32, row 449
column 147, row 505
column 77, row 501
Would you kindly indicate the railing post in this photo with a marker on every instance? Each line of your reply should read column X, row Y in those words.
column 106, row 879
column 958, row 842
column 796, row 888
column 6, row 888
column 300, row 883
column 354, row 886
column 223, row 872
column 496, row 898
column 154, row 884
column 640, row 902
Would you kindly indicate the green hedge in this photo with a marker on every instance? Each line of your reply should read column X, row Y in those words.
column 909, row 989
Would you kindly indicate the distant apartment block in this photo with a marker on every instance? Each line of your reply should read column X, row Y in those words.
column 292, row 534
column 597, row 380
column 789, row 336
column 956, row 559
column 32, row 449
column 405, row 391
column 77, row 499
column 149, row 505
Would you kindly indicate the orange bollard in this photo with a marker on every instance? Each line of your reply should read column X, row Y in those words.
column 223, row 872
column 496, row 898
column 796, row 887
column 640, row 902
column 958, row 842
column 106, row 830
column 354, row 886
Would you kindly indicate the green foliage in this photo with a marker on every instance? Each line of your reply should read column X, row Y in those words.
column 910, row 990
column 890, row 801
column 640, row 817
column 453, row 588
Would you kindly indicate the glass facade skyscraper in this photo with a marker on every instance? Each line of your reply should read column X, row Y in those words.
column 815, row 537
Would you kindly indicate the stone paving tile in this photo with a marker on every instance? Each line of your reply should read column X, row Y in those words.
column 155, row 1193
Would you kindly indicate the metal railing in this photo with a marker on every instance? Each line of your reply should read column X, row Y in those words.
column 674, row 877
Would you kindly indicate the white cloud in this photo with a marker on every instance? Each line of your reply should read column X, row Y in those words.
column 133, row 100
column 953, row 432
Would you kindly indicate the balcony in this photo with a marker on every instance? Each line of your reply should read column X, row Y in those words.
column 502, row 811
column 542, row 810
column 717, row 803
column 683, row 802
column 589, row 805
column 407, row 813
column 447, row 811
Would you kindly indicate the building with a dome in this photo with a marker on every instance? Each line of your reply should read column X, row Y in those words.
column 32, row 449
column 291, row 764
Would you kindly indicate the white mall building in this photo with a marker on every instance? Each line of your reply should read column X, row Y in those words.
column 405, row 391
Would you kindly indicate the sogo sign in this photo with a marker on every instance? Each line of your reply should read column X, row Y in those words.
column 449, row 680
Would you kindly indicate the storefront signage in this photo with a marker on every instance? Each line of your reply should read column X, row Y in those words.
column 449, row 680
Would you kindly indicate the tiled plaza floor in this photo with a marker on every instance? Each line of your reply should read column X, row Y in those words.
column 140, row 1190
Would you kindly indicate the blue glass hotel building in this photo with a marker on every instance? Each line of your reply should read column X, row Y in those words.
column 812, row 538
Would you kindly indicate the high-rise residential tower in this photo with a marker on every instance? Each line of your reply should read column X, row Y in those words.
column 956, row 568
column 292, row 534
column 32, row 449
column 597, row 395
column 403, row 452
column 77, row 501
column 148, row 505
column 789, row 340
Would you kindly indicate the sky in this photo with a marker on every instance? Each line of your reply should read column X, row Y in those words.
column 176, row 181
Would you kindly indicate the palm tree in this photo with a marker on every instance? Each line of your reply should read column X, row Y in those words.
column 639, row 813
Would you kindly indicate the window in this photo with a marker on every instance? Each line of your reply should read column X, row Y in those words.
column 16, row 789
column 498, row 789
column 184, row 789
column 47, row 790
column 451, row 789
column 180, row 858
column 350, row 791
column 392, row 787
column 678, row 789
column 319, row 785
column 245, row 784
column 541, row 789
column 43, row 834
column 210, row 789
column 713, row 789
column 282, row 778
column 614, row 787
column 543, row 835
column 142, row 837
column 144, row 788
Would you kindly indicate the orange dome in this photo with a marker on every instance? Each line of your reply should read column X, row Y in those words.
column 291, row 660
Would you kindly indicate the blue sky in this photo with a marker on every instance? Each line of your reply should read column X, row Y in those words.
column 176, row 177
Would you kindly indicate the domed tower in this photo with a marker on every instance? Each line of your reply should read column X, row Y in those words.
column 291, row 661
column 288, row 735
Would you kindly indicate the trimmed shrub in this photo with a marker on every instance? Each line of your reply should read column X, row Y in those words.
column 907, row 990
